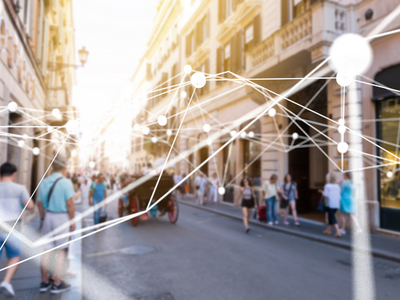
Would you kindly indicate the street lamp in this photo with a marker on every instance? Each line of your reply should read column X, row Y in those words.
column 83, row 55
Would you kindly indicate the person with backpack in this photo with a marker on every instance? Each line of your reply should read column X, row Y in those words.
column 248, row 201
column 56, row 208
column 12, row 197
column 289, row 194
column 270, row 192
column 97, row 193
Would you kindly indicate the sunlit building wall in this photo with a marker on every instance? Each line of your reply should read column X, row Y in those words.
column 283, row 39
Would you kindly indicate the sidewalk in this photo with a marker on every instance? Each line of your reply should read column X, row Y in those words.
column 27, row 279
column 382, row 246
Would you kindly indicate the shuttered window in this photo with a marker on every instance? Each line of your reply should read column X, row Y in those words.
column 221, row 10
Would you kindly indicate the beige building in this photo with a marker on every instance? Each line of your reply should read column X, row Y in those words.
column 37, row 44
column 262, row 40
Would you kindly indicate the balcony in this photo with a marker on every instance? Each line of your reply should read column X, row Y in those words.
column 314, row 31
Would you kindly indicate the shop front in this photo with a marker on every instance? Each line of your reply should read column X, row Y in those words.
column 388, row 133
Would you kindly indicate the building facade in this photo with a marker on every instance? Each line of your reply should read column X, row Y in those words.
column 37, row 38
column 263, row 41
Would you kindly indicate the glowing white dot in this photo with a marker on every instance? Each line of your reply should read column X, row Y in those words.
column 183, row 94
column 342, row 147
column 145, row 130
column 153, row 173
column 295, row 135
column 49, row 128
column 56, row 113
column 233, row 133
column 136, row 127
column 36, row 151
column 24, row 136
column 350, row 53
column 187, row 69
column 198, row 80
column 344, row 79
column 206, row 127
column 73, row 153
column 12, row 106
column 92, row 164
column 221, row 190
column 389, row 174
column 342, row 129
column 243, row 134
column 341, row 121
column 21, row 143
column 209, row 142
column 251, row 134
column 272, row 112
column 162, row 120
column 169, row 132
column 73, row 126
column 154, row 140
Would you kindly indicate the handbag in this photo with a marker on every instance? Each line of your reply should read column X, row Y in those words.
column 103, row 215
column 285, row 202
column 321, row 207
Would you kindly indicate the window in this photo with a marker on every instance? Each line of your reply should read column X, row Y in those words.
column 293, row 8
column 226, row 8
column 174, row 77
column 189, row 44
column 205, row 69
column 148, row 72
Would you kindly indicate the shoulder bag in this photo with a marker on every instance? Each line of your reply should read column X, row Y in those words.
column 51, row 192
column 285, row 202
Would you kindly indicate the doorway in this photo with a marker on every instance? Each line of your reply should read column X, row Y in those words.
column 307, row 164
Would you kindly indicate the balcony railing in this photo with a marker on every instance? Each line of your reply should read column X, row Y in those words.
column 313, row 31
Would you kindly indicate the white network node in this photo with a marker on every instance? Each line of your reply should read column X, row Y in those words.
column 73, row 153
column 145, row 130
column 154, row 140
column 21, row 143
column 50, row 128
column 198, row 80
column 342, row 129
column 36, row 151
column 183, row 94
column 295, row 135
column 221, row 190
column 233, row 133
column 187, row 69
column 350, row 54
column 136, row 127
column 389, row 174
column 12, row 106
column 272, row 112
column 251, row 134
column 243, row 135
column 342, row 147
column 162, row 120
column 169, row 132
column 206, row 127
column 73, row 126
column 344, row 79
column 92, row 164
column 209, row 142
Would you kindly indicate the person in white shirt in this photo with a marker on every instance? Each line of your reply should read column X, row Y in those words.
column 85, row 187
column 177, row 179
column 201, row 187
column 332, row 192
column 270, row 194
column 214, row 189
column 148, row 169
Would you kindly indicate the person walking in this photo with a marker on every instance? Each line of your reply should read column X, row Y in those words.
column 12, row 196
column 347, row 206
column 270, row 193
column 289, row 193
column 202, row 190
column 213, row 197
column 97, row 193
column 56, row 208
column 332, row 192
column 177, row 178
column 248, row 201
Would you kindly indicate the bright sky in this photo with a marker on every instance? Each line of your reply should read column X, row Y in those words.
column 115, row 34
